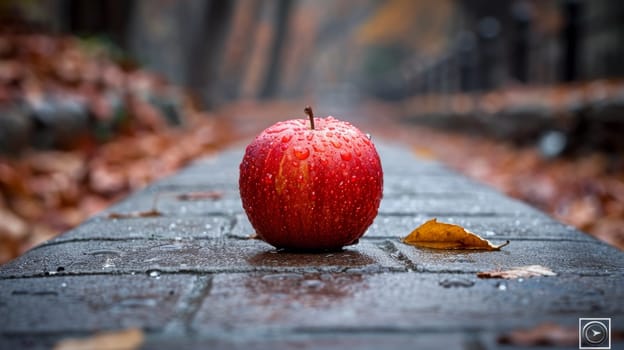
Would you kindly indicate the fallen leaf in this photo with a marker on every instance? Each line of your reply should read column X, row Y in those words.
column 439, row 235
column 544, row 334
column 199, row 196
column 128, row 339
column 254, row 236
column 518, row 272
column 135, row 214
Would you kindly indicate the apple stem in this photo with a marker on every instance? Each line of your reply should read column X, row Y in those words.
column 308, row 111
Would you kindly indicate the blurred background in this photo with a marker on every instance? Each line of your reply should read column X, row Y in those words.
column 98, row 98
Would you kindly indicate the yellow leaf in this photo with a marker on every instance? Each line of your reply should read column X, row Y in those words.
column 518, row 272
column 129, row 339
column 438, row 235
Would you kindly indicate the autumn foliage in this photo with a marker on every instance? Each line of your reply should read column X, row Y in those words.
column 134, row 129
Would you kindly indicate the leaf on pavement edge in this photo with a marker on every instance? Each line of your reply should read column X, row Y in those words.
column 255, row 236
column 439, row 235
column 128, row 339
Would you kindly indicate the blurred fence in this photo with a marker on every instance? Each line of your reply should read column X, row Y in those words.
column 512, row 43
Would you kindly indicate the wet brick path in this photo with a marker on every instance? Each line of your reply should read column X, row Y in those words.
column 192, row 279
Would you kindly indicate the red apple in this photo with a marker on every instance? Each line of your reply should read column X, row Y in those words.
column 311, row 184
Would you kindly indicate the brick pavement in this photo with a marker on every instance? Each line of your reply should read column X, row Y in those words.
column 192, row 278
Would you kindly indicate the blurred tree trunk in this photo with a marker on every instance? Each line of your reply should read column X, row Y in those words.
column 161, row 34
column 262, row 39
column 301, row 39
column 238, row 48
column 206, row 53
column 274, row 62
column 184, row 40
column 570, row 38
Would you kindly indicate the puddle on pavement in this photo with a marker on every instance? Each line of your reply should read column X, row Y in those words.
column 303, row 290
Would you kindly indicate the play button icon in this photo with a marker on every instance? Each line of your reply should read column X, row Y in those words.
column 595, row 334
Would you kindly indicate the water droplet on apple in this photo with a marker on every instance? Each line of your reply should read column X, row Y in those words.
column 268, row 178
column 295, row 164
column 301, row 152
column 330, row 134
column 336, row 143
column 286, row 138
column 345, row 155
column 318, row 147
column 310, row 136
